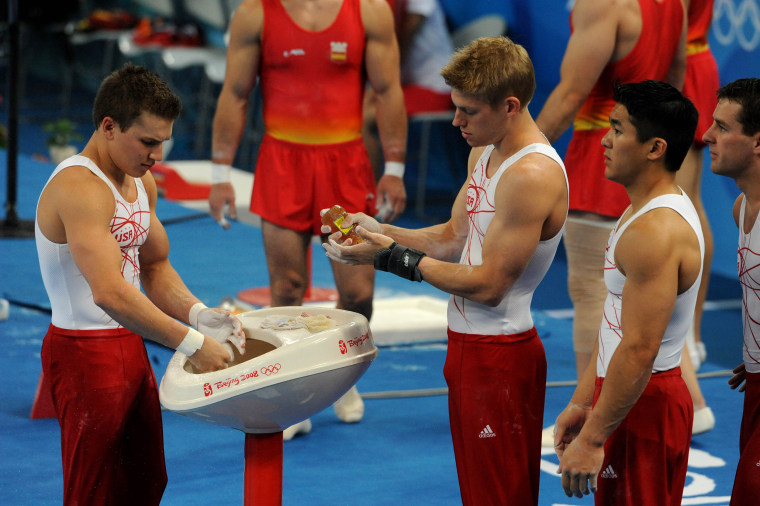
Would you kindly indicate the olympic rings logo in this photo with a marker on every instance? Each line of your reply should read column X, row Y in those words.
column 741, row 23
column 271, row 369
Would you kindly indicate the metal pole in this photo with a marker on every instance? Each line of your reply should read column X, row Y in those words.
column 11, row 219
column 12, row 226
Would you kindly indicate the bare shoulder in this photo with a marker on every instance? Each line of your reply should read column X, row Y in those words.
column 593, row 11
column 377, row 18
column 537, row 170
column 625, row 4
column 375, row 6
column 247, row 21
column 662, row 230
column 79, row 180
column 533, row 191
column 74, row 196
column 660, row 247
column 644, row 247
column 657, row 224
column 248, row 8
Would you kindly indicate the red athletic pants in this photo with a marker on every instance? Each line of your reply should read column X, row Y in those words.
column 747, row 481
column 496, row 410
column 645, row 459
column 106, row 399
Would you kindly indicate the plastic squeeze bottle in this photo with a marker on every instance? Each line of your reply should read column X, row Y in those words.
column 334, row 219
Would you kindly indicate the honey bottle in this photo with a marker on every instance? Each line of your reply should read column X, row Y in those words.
column 334, row 219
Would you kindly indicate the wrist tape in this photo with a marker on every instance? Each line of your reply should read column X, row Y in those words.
column 400, row 260
column 220, row 173
column 191, row 343
column 193, row 317
column 394, row 169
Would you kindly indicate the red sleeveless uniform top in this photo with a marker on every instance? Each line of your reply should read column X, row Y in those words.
column 312, row 82
column 650, row 58
column 590, row 190
column 700, row 18
column 702, row 79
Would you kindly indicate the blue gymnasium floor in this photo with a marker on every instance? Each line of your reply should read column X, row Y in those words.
column 401, row 451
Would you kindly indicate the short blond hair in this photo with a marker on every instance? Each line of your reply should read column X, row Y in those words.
column 491, row 69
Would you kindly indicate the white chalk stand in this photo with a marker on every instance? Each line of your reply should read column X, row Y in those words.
column 286, row 375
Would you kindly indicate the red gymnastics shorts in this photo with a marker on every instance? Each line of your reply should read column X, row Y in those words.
column 294, row 182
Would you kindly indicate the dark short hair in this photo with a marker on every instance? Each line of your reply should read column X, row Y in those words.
column 745, row 92
column 658, row 109
column 130, row 91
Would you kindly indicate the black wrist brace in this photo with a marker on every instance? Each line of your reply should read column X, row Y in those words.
column 400, row 260
column 382, row 256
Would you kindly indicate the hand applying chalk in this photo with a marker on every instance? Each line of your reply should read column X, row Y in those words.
column 223, row 223
column 222, row 195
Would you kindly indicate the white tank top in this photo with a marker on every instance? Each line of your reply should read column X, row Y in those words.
column 71, row 298
column 512, row 315
column 748, row 259
column 610, row 332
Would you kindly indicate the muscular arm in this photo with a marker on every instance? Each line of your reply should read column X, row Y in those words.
column 383, row 71
column 443, row 241
column 590, row 47
column 737, row 381
column 649, row 295
column 570, row 421
column 240, row 77
column 528, row 194
column 530, row 201
column 239, row 80
column 86, row 222
column 677, row 71
column 97, row 255
column 161, row 283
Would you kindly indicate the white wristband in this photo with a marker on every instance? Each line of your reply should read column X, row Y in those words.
column 193, row 318
column 394, row 169
column 191, row 343
column 220, row 173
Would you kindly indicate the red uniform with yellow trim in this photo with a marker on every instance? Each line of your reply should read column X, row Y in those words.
column 312, row 85
column 702, row 80
column 650, row 59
